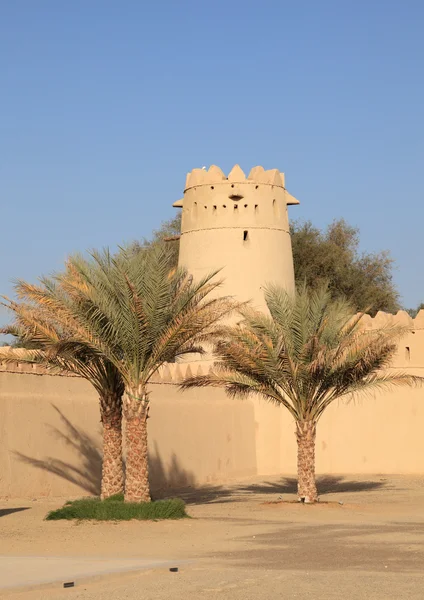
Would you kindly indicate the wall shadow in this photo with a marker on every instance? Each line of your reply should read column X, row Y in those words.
column 88, row 475
column 171, row 479
column 88, row 455
column 333, row 547
column 162, row 478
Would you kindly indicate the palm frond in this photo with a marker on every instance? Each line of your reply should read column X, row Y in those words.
column 308, row 351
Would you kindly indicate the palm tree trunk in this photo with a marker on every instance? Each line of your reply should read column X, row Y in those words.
column 137, row 487
column 306, row 485
column 112, row 466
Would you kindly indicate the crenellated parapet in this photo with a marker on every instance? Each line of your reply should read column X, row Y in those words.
column 31, row 369
column 213, row 200
column 410, row 352
column 401, row 318
column 175, row 373
column 214, row 175
column 169, row 373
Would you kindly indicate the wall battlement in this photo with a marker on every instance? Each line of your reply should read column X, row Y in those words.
column 171, row 373
column 410, row 352
column 214, row 175
column 213, row 201
column 401, row 318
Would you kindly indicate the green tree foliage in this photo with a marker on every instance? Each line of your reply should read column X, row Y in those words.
column 169, row 232
column 333, row 256
column 414, row 311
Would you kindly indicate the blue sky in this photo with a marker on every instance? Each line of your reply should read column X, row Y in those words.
column 105, row 106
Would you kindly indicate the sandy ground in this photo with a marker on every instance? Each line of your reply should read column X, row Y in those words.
column 241, row 543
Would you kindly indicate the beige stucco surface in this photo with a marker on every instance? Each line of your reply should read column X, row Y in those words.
column 50, row 436
column 239, row 225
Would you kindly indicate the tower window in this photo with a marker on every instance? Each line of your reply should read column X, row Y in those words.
column 235, row 205
column 245, row 235
column 407, row 353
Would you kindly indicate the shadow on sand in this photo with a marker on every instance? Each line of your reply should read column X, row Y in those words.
column 9, row 511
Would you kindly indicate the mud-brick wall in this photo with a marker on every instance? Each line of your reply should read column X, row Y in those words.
column 50, row 432
column 50, row 437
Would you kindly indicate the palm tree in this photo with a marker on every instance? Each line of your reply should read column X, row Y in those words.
column 309, row 351
column 139, row 315
column 56, row 341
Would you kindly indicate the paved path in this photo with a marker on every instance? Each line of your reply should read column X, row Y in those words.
column 20, row 571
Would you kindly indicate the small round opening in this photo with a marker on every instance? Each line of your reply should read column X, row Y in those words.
column 256, row 187
column 212, row 188
column 245, row 206
column 235, row 205
column 224, row 206
column 232, row 185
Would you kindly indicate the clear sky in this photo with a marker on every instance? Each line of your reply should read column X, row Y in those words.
column 105, row 105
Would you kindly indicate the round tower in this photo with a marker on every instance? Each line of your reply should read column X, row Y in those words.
column 239, row 225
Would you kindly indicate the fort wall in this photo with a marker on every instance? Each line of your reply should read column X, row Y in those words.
column 50, row 432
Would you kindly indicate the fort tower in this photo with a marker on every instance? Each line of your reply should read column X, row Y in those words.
column 239, row 224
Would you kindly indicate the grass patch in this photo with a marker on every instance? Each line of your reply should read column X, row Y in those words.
column 115, row 509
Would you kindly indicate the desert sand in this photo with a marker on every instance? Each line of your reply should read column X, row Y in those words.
column 250, row 540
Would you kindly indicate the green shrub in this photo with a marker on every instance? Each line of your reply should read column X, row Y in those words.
column 115, row 509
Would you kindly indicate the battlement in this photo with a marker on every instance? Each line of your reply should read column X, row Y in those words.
column 410, row 352
column 214, row 176
column 170, row 373
column 213, row 201
column 401, row 318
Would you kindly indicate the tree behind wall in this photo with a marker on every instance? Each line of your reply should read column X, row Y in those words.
column 331, row 255
column 414, row 311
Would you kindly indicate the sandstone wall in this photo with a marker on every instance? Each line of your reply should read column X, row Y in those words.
column 50, row 437
column 50, row 432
